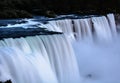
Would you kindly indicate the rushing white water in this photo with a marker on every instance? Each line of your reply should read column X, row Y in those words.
column 99, row 61
column 28, row 24
column 112, row 24
column 55, row 59
column 102, row 27
column 40, row 59
column 83, row 28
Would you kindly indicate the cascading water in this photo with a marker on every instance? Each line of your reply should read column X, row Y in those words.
column 101, row 27
column 71, row 57
column 40, row 59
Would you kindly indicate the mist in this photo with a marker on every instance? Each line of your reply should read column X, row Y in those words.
column 98, row 61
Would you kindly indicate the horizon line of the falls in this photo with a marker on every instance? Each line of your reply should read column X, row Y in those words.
column 102, row 27
column 39, row 59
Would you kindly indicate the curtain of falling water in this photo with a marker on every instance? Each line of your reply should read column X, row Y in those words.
column 112, row 24
column 39, row 59
column 103, row 28
column 50, row 59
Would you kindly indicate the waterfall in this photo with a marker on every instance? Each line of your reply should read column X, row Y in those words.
column 103, row 27
column 70, row 57
column 39, row 59
column 112, row 24
column 83, row 28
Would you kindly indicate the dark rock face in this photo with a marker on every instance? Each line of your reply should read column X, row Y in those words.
column 20, row 8
column 13, row 13
column 117, row 20
column 8, row 81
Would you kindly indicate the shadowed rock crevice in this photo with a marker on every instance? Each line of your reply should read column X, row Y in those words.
column 8, row 81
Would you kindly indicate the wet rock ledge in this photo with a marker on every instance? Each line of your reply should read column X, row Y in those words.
column 21, row 32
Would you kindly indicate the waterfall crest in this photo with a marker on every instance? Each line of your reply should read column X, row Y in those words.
column 103, row 27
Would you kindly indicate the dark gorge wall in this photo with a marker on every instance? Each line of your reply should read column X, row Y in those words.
column 24, row 8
